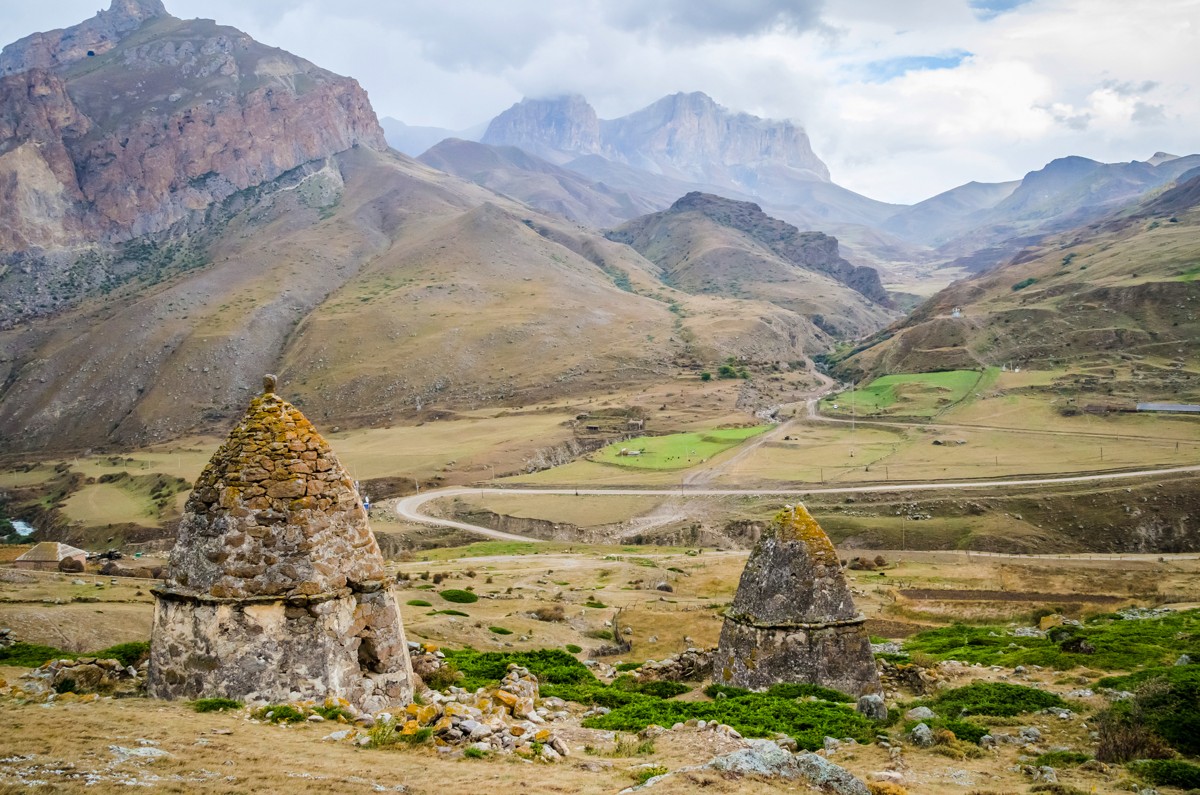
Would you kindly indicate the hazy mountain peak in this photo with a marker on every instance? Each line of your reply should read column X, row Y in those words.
column 1161, row 157
column 556, row 128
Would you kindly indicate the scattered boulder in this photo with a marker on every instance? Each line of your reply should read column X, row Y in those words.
column 920, row 713
column 922, row 735
column 872, row 706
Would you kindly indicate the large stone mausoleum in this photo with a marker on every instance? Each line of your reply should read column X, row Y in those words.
column 793, row 618
column 276, row 588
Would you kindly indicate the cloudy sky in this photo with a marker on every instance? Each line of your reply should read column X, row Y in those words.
column 901, row 99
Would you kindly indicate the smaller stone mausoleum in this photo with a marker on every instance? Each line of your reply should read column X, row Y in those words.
column 793, row 619
column 276, row 589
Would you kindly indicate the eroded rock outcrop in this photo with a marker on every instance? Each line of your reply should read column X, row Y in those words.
column 276, row 589
column 793, row 618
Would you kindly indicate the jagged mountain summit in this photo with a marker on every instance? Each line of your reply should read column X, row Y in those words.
column 135, row 121
column 686, row 137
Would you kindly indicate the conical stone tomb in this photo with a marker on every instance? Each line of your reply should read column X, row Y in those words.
column 276, row 589
column 793, row 619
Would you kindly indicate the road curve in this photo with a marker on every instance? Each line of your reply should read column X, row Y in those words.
column 409, row 507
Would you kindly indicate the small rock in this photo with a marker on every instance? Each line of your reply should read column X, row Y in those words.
column 832, row 744
column 872, row 707
column 922, row 735
column 1183, row 660
column 920, row 713
column 1030, row 734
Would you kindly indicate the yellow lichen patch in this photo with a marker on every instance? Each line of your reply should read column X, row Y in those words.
column 797, row 524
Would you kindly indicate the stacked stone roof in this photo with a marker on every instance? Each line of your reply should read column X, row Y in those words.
column 793, row 577
column 274, row 514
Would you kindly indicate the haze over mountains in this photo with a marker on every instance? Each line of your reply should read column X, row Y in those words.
column 183, row 208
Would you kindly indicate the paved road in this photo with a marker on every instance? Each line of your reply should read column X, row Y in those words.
column 410, row 507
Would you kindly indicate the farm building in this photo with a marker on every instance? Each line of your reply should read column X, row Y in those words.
column 47, row 555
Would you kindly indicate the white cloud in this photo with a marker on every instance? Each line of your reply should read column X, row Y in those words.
column 1106, row 79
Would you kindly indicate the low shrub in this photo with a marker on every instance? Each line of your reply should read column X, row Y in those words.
column 31, row 655
column 550, row 666
column 332, row 710
column 418, row 603
column 1062, row 759
column 627, row 666
column 993, row 698
column 216, row 704
column 550, row 613
column 458, row 613
column 1115, row 643
column 458, row 596
column 643, row 774
column 445, row 676
column 599, row 634
column 133, row 653
column 471, row 752
column 573, row 648
column 785, row 690
column 594, row 603
column 500, row 630
column 1168, row 773
column 279, row 713
column 663, row 689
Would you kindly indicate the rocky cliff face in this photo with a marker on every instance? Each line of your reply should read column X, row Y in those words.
column 683, row 136
column 94, row 37
column 163, row 119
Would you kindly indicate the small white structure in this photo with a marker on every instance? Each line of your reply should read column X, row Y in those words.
column 47, row 555
column 957, row 312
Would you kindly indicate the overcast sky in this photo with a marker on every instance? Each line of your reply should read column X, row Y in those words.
column 902, row 98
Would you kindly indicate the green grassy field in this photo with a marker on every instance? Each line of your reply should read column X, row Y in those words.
column 910, row 394
column 676, row 451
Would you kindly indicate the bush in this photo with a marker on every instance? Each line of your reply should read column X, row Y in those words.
column 965, row 730
column 663, row 689
column 458, row 597
column 446, row 675
column 550, row 613
column 754, row 715
column 1161, row 713
column 1117, row 644
column 792, row 690
column 279, row 713
column 471, row 752
column 994, row 698
column 550, row 666
column 1021, row 285
column 418, row 603
column 216, row 704
column 459, row 613
column 133, row 653
column 1061, row 759
column 643, row 774
column 31, row 655
column 1168, row 773
column 573, row 648
column 501, row 630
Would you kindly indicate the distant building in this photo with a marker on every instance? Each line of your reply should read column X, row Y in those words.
column 957, row 312
column 1179, row 408
column 47, row 555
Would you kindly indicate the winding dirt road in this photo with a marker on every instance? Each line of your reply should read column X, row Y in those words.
column 409, row 507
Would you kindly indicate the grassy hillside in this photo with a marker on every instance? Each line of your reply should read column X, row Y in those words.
column 378, row 288
column 1109, row 310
